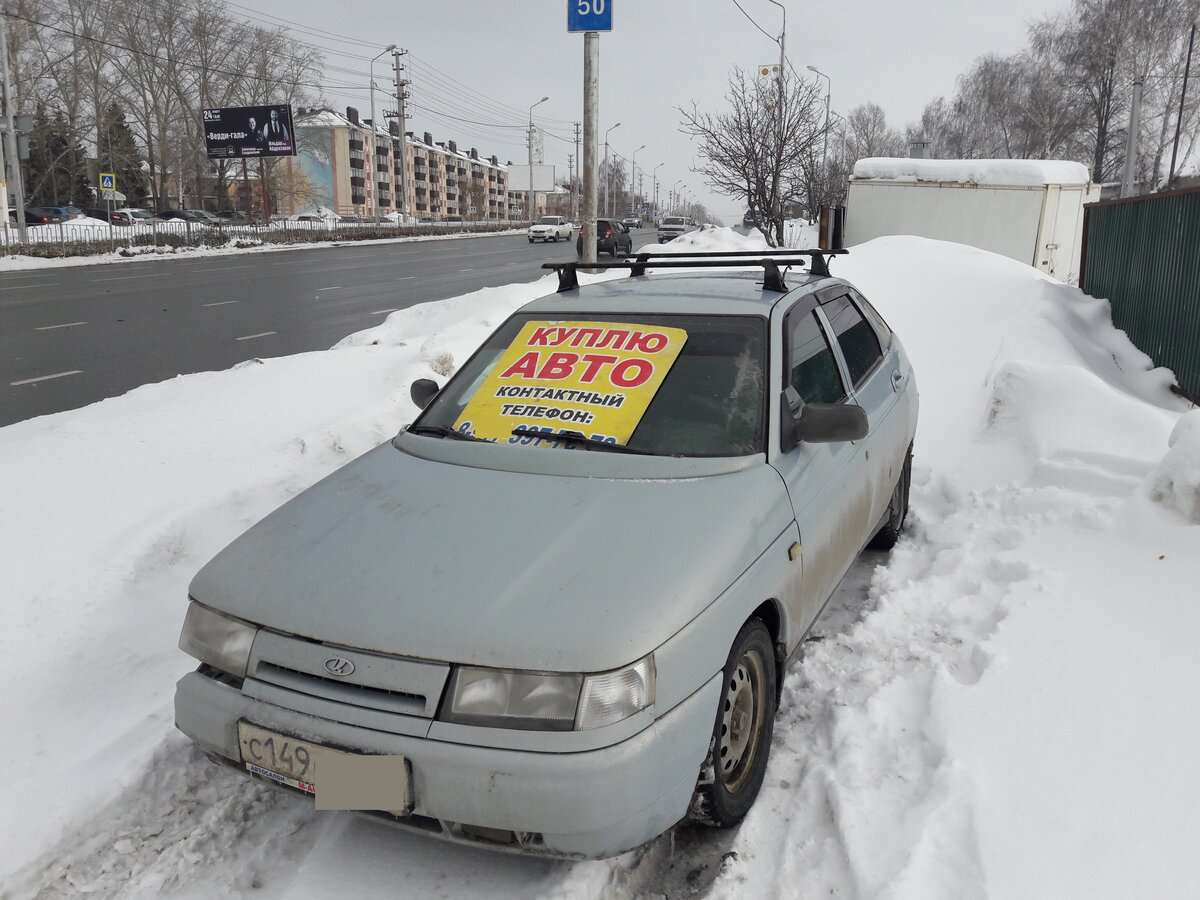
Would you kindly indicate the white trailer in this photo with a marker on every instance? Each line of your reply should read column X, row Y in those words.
column 1027, row 210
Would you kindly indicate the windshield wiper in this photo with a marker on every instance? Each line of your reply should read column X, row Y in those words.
column 443, row 431
column 574, row 437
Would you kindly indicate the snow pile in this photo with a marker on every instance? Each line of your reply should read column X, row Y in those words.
column 711, row 238
column 1007, row 711
column 1175, row 483
column 973, row 171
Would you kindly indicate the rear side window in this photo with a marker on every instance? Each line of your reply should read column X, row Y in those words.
column 872, row 315
column 814, row 371
column 857, row 338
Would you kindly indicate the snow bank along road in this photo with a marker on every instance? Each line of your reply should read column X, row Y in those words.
column 70, row 336
column 1007, row 710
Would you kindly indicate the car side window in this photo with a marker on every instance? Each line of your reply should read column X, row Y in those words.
column 813, row 369
column 857, row 338
column 882, row 330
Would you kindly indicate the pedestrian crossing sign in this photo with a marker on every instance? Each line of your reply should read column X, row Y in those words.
column 108, row 181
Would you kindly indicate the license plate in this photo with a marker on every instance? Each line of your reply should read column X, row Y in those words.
column 336, row 779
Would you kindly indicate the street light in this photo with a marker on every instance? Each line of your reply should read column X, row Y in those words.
column 607, row 173
column 675, row 196
column 654, row 189
column 825, row 149
column 529, row 195
column 633, row 175
column 374, row 144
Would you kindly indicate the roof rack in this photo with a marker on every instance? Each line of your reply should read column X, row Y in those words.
column 768, row 260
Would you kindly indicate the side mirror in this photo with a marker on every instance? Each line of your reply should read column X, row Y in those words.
column 423, row 390
column 827, row 423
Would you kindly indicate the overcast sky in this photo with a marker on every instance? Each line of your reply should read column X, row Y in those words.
column 487, row 62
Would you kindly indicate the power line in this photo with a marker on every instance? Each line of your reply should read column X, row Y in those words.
column 755, row 24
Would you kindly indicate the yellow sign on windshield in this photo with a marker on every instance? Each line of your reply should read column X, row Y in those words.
column 591, row 378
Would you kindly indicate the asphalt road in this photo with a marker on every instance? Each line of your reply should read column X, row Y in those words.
column 72, row 336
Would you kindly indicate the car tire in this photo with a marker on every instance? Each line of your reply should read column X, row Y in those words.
column 531, row 240
column 886, row 537
column 736, row 763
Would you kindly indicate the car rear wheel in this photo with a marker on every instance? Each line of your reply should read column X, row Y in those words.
column 886, row 537
column 733, row 770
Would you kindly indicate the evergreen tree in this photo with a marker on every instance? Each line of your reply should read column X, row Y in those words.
column 119, row 154
column 58, row 169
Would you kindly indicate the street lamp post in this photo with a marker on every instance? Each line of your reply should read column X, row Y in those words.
column 374, row 139
column 825, row 149
column 775, row 185
column 529, row 195
column 607, row 173
column 675, row 196
column 633, row 176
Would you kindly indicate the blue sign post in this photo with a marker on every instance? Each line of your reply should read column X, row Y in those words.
column 589, row 15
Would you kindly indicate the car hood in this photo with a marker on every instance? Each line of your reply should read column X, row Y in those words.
column 423, row 558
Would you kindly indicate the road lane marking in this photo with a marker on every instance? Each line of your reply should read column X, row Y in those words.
column 250, row 337
column 221, row 303
column 383, row 312
column 64, row 325
column 336, row 287
column 466, row 270
column 220, row 268
column 127, row 277
column 46, row 377
column 18, row 287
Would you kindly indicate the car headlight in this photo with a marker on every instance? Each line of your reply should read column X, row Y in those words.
column 543, row 701
column 216, row 639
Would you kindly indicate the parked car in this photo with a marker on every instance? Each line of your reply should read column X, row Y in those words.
column 672, row 227
column 748, row 219
column 611, row 237
column 67, row 212
column 104, row 215
column 195, row 216
column 633, row 220
column 133, row 215
column 550, row 228
column 553, row 613
column 425, row 220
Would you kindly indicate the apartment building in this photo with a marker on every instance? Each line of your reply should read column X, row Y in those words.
column 345, row 166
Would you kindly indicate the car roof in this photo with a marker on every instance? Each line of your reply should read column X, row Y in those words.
column 711, row 293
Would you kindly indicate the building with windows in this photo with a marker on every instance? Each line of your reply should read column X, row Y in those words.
column 346, row 167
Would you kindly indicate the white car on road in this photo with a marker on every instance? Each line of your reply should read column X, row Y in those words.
column 551, row 228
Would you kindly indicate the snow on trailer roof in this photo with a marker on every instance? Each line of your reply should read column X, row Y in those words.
column 972, row 171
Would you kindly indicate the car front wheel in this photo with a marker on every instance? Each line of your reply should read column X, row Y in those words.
column 886, row 537
column 733, row 771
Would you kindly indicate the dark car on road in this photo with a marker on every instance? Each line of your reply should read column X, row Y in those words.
column 612, row 238
column 37, row 215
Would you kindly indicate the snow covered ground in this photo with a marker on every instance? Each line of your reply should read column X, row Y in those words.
column 1003, row 707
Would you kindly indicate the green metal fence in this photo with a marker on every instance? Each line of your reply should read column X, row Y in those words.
column 1143, row 255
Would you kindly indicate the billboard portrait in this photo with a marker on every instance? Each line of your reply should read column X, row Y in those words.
column 246, row 132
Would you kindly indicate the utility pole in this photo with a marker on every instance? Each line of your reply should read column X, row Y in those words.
column 591, row 113
column 779, row 147
column 375, row 135
column 607, row 173
column 12, row 161
column 1131, row 139
column 1182, row 96
column 401, row 96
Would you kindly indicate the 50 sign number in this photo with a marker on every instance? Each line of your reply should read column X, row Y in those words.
column 589, row 15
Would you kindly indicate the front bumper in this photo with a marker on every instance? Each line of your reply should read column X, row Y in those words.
column 589, row 804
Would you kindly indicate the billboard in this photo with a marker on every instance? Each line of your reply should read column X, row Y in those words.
column 543, row 178
column 241, row 132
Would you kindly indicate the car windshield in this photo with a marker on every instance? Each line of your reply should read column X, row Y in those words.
column 710, row 402
column 547, row 220
column 672, row 220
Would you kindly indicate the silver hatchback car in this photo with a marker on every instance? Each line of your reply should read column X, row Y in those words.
column 552, row 615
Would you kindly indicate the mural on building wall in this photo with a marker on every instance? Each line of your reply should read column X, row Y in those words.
column 313, row 174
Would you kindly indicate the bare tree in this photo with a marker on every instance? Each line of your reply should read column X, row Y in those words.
column 762, row 149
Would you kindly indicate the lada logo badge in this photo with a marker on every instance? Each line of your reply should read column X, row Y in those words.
column 339, row 666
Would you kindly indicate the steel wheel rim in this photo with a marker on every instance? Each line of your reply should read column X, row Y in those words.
column 742, row 711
